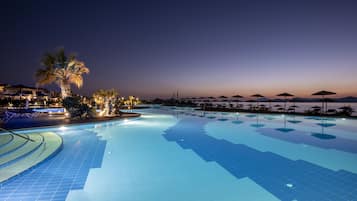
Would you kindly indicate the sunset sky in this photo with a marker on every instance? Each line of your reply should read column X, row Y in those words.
column 201, row 48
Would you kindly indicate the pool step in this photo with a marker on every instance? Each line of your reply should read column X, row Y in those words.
column 20, row 159
column 23, row 151
column 14, row 144
column 5, row 139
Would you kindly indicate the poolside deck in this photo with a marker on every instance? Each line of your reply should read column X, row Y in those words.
column 215, row 109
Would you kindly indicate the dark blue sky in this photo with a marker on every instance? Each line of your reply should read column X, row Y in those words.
column 153, row 48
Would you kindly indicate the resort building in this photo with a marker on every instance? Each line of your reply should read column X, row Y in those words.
column 22, row 92
column 2, row 87
column 37, row 96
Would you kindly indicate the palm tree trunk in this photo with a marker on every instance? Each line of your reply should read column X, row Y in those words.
column 106, row 107
column 65, row 90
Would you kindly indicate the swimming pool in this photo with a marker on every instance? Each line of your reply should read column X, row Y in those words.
column 50, row 110
column 172, row 154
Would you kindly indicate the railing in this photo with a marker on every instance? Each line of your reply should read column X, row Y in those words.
column 18, row 135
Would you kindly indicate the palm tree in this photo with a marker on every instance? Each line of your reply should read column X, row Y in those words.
column 62, row 70
column 132, row 101
column 105, row 98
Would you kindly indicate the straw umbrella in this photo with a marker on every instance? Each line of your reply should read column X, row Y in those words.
column 237, row 96
column 223, row 99
column 323, row 94
column 285, row 95
column 257, row 96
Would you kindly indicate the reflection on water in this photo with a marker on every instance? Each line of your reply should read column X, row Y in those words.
column 294, row 121
column 251, row 115
column 284, row 178
column 257, row 124
column 323, row 136
column 285, row 129
column 237, row 122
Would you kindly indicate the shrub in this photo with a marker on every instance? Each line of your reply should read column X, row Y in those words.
column 117, row 105
column 346, row 110
column 77, row 109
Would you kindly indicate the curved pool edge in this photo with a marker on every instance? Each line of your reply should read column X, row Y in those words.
column 135, row 116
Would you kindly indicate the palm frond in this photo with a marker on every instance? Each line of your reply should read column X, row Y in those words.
column 72, row 57
column 48, row 60
column 45, row 76
column 61, row 58
column 61, row 69
column 76, row 80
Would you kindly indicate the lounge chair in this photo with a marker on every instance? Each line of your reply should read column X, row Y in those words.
column 331, row 111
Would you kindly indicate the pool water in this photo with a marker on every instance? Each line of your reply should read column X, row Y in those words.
column 172, row 154
column 49, row 110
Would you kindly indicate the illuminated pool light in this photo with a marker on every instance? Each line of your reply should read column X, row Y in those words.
column 63, row 128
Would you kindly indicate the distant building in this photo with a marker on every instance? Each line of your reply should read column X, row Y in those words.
column 22, row 92
column 2, row 88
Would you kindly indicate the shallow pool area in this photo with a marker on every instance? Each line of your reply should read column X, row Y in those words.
column 176, row 154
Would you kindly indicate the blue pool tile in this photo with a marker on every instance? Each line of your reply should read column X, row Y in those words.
column 53, row 179
column 322, row 140
column 286, row 179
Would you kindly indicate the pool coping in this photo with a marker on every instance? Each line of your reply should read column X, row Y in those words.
column 87, row 121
